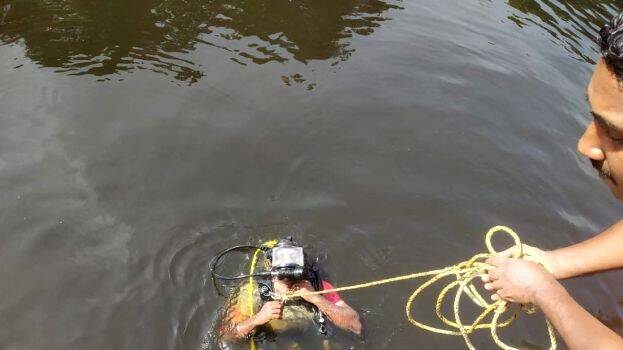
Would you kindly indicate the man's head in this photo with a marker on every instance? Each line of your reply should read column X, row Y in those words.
column 288, row 261
column 602, row 141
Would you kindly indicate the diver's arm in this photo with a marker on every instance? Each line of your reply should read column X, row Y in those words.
column 602, row 252
column 241, row 330
column 576, row 326
column 341, row 314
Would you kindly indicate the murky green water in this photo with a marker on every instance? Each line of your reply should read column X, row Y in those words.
column 137, row 138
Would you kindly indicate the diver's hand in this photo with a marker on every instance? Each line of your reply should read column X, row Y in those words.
column 547, row 258
column 305, row 286
column 270, row 311
column 518, row 280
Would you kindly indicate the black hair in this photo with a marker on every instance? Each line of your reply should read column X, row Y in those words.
column 611, row 42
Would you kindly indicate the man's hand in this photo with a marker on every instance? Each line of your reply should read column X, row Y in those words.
column 517, row 280
column 531, row 253
column 270, row 311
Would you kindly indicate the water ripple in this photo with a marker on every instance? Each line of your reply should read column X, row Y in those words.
column 116, row 37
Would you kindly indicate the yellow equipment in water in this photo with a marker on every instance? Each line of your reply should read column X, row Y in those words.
column 464, row 273
column 250, row 296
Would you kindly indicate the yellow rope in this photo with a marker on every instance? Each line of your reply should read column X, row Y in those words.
column 464, row 273
column 250, row 296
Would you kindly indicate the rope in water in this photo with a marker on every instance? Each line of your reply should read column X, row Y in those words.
column 464, row 273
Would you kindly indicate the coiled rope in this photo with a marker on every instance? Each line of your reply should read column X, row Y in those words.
column 464, row 273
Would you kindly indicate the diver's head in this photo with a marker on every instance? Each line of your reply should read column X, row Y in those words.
column 288, row 261
column 602, row 142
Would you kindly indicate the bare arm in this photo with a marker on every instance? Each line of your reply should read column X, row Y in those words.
column 341, row 314
column 240, row 331
column 525, row 282
column 576, row 326
column 598, row 253
column 236, row 330
column 602, row 252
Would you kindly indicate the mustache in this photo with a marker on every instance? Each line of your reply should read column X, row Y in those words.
column 602, row 169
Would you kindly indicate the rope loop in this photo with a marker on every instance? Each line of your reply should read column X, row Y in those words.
column 488, row 236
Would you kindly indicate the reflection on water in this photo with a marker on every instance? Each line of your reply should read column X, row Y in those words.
column 101, row 38
column 567, row 22
column 105, row 37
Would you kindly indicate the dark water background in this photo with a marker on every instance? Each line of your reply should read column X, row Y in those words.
column 137, row 138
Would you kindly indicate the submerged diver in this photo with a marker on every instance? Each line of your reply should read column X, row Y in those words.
column 289, row 273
